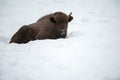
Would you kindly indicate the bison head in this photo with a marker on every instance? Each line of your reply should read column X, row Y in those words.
column 60, row 21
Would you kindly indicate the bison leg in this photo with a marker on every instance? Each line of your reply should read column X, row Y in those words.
column 24, row 35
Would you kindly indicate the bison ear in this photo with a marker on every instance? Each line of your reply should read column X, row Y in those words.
column 52, row 19
column 70, row 18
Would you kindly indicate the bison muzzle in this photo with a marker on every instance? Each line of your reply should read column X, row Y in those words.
column 52, row 26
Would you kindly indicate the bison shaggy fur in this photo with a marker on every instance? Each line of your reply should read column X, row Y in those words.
column 52, row 26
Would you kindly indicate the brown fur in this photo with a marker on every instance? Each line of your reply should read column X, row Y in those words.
column 51, row 26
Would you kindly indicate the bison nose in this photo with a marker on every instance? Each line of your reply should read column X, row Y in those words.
column 62, row 33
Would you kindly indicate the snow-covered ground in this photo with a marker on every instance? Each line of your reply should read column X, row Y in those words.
column 91, row 50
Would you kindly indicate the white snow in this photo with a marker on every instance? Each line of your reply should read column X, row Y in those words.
column 91, row 50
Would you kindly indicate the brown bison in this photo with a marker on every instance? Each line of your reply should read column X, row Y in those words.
column 51, row 26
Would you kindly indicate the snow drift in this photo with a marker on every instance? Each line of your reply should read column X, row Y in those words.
column 91, row 50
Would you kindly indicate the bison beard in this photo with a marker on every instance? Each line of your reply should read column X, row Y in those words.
column 51, row 26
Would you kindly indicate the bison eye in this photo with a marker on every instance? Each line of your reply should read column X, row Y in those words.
column 52, row 20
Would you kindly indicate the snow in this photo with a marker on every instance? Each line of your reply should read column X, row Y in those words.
column 91, row 50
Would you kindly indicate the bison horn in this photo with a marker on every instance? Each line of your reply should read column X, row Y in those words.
column 70, row 17
column 70, row 14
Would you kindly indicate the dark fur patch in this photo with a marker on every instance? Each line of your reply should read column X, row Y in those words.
column 24, row 35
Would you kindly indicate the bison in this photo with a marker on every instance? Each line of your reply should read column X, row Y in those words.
column 51, row 26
